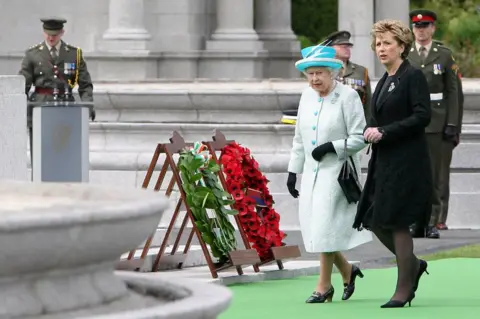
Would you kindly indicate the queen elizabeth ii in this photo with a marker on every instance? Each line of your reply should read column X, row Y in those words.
column 328, row 113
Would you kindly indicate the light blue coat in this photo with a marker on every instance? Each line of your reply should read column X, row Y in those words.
column 326, row 217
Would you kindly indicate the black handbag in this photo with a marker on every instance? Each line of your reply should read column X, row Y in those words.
column 348, row 179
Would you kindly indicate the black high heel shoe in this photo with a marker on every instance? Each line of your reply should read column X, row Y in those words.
column 399, row 303
column 349, row 288
column 421, row 269
column 318, row 297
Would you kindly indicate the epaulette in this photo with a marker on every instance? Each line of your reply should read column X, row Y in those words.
column 35, row 46
column 355, row 66
column 440, row 45
column 71, row 46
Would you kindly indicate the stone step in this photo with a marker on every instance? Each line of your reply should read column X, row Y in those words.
column 121, row 153
column 130, row 146
column 219, row 102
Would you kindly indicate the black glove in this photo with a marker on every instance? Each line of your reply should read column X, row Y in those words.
column 450, row 133
column 92, row 114
column 457, row 140
column 320, row 151
column 291, row 181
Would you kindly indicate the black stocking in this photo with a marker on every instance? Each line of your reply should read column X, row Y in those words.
column 406, row 263
column 403, row 240
column 386, row 238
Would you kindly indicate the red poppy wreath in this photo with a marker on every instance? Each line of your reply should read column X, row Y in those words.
column 248, row 187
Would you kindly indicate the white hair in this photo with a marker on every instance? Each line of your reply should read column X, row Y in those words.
column 333, row 72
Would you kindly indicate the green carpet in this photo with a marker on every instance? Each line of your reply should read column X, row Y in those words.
column 451, row 289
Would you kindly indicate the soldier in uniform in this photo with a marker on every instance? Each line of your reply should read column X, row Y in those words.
column 439, row 67
column 447, row 151
column 54, row 68
column 352, row 74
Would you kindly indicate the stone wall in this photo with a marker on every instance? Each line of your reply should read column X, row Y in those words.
column 13, row 134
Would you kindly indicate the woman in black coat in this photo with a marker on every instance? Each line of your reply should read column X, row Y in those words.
column 398, row 188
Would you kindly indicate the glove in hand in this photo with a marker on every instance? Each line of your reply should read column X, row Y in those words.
column 320, row 151
column 291, row 181
column 450, row 133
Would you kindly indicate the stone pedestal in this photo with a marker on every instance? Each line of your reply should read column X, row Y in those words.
column 234, row 31
column 126, row 30
column 357, row 18
column 13, row 128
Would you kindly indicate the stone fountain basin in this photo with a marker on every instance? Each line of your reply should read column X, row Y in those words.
column 59, row 243
column 156, row 296
column 51, row 226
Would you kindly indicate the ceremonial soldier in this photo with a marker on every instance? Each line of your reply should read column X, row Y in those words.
column 54, row 68
column 447, row 152
column 352, row 74
column 439, row 67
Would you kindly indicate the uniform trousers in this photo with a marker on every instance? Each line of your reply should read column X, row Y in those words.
column 30, row 140
column 447, row 151
column 435, row 148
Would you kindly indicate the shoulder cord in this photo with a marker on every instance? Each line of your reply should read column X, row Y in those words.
column 79, row 52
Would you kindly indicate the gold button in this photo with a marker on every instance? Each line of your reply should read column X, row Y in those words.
column 423, row 66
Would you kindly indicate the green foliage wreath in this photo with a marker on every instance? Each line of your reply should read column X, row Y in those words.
column 207, row 200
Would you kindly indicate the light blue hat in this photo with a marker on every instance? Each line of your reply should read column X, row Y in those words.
column 318, row 56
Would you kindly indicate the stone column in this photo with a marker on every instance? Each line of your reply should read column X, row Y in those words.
column 13, row 131
column 126, row 30
column 273, row 23
column 234, row 31
column 390, row 9
column 357, row 18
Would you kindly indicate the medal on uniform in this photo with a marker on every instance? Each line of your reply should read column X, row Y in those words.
column 437, row 69
column 66, row 68
column 392, row 87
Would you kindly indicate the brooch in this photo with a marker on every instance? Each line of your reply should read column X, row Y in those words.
column 392, row 87
column 335, row 97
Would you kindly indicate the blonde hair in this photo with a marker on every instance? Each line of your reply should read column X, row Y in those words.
column 402, row 34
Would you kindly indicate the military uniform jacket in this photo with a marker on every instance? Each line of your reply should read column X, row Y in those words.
column 357, row 77
column 440, row 70
column 66, row 71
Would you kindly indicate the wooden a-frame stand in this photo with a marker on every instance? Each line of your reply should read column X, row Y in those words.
column 237, row 258
column 278, row 253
